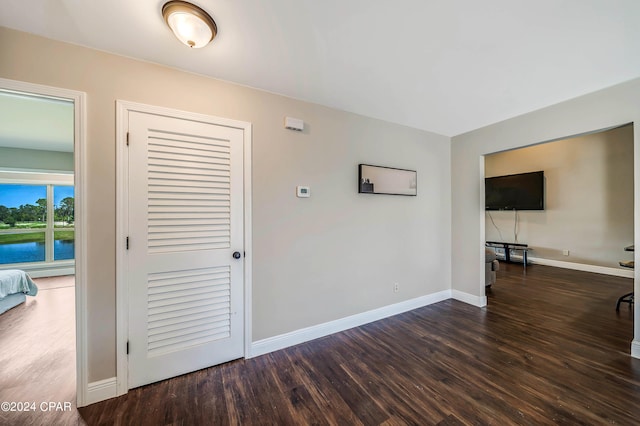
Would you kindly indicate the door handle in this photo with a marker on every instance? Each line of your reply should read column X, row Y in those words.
column 236, row 255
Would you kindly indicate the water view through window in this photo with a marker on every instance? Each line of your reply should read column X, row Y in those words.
column 36, row 223
column 64, row 234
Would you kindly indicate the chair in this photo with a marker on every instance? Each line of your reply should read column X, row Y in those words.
column 627, row 298
column 491, row 265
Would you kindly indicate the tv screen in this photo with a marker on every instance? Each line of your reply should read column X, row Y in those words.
column 524, row 191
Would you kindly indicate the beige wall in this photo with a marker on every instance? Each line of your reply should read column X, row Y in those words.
column 37, row 160
column 588, row 198
column 314, row 260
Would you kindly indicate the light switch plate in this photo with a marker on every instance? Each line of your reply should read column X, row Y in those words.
column 303, row 191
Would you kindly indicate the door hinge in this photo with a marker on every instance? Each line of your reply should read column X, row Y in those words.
column 127, row 243
column 127, row 347
column 127, row 138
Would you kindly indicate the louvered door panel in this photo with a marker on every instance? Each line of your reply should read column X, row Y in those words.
column 185, row 214
column 188, row 308
column 189, row 193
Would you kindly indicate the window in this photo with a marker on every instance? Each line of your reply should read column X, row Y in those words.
column 36, row 223
column 64, row 232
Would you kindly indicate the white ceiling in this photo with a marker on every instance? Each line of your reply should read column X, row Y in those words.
column 35, row 122
column 447, row 66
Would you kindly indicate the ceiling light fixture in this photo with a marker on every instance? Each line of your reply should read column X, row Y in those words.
column 190, row 24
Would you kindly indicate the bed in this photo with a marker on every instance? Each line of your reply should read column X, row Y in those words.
column 15, row 286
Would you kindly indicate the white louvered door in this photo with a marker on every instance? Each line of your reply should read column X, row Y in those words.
column 185, row 223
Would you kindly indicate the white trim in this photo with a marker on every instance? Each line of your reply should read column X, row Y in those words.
column 626, row 273
column 296, row 337
column 39, row 270
column 41, row 171
column 481, row 248
column 80, row 191
column 14, row 176
column 101, row 390
column 122, row 295
column 635, row 350
column 50, row 272
column 80, row 140
column 122, row 300
column 479, row 301
column 248, row 240
column 186, row 115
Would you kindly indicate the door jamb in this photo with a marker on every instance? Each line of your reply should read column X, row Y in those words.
column 79, row 160
column 122, row 207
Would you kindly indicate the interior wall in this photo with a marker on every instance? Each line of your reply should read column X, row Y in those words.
column 35, row 160
column 318, row 259
column 588, row 198
column 600, row 110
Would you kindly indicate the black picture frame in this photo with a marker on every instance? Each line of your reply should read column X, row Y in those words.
column 387, row 180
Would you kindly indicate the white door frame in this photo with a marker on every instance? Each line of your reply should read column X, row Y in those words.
column 122, row 208
column 79, row 100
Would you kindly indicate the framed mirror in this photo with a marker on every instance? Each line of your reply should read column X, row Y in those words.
column 387, row 180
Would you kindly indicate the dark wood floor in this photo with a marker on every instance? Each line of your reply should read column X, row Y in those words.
column 37, row 354
column 549, row 349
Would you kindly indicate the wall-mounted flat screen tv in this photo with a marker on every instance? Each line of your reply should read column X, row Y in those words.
column 524, row 191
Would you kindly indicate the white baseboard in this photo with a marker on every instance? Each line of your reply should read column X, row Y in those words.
column 101, row 390
column 40, row 270
column 296, row 337
column 635, row 349
column 53, row 272
column 479, row 301
column 626, row 273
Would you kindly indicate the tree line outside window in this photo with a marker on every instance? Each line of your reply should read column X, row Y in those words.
column 37, row 213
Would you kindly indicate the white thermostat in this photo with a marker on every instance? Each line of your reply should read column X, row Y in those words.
column 303, row 191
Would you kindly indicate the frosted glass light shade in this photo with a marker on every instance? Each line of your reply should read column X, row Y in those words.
column 190, row 24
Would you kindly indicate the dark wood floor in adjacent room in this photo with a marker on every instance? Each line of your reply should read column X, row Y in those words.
column 549, row 349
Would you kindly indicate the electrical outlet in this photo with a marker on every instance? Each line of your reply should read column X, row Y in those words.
column 396, row 287
column 565, row 252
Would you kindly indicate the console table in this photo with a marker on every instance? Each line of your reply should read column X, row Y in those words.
column 507, row 249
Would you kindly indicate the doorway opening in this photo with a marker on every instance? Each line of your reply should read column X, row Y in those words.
column 586, row 226
column 42, row 240
column 587, row 218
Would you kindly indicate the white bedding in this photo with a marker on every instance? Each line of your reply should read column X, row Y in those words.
column 14, row 281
